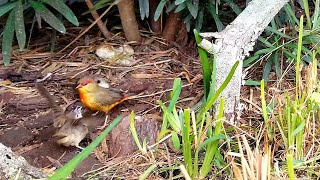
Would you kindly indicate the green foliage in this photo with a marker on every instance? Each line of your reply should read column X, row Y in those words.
column 195, row 12
column 299, row 111
column 196, row 128
column 278, row 42
column 15, row 21
column 67, row 169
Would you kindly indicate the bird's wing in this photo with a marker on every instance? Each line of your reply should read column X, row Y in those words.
column 106, row 97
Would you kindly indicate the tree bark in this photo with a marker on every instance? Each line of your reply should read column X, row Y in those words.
column 171, row 27
column 235, row 42
column 128, row 20
column 155, row 25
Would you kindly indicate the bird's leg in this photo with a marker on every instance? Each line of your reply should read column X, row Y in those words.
column 95, row 113
column 80, row 148
column 104, row 124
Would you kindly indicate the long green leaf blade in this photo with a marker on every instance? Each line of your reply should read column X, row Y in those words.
column 159, row 9
column 205, row 65
column 6, row 8
column 67, row 169
column 7, row 40
column 61, row 7
column 47, row 15
column 19, row 25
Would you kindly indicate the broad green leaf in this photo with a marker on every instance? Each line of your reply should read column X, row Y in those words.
column 7, row 7
column 7, row 39
column 19, row 25
column 61, row 7
column 67, row 169
column 159, row 9
column 47, row 16
column 177, row 2
column 193, row 9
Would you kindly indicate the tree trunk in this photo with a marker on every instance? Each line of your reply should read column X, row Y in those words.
column 235, row 42
column 171, row 27
column 155, row 25
column 128, row 20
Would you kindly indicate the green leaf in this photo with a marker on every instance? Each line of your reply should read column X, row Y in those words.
column 175, row 140
column 206, row 69
column 180, row 7
column 144, row 8
column 7, row 40
column 67, row 169
column 61, row 7
column 252, row 83
column 187, row 21
column 177, row 2
column 199, row 19
column 175, row 93
column 193, row 9
column 267, row 70
column 7, row 7
column 159, row 9
column 170, row 7
column 298, row 129
column 215, row 16
column 47, row 16
column 19, row 25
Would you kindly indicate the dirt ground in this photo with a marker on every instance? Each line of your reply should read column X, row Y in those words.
column 26, row 118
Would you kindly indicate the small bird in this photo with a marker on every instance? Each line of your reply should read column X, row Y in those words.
column 71, row 127
column 95, row 95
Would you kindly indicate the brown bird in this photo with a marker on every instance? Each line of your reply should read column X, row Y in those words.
column 71, row 126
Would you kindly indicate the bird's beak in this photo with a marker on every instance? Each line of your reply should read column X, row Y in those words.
column 79, row 86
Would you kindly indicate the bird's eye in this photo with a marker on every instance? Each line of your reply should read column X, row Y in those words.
column 98, row 81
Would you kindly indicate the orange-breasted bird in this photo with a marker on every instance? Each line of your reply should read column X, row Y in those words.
column 95, row 94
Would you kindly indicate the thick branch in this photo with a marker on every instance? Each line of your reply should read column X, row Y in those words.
column 235, row 42
column 128, row 20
